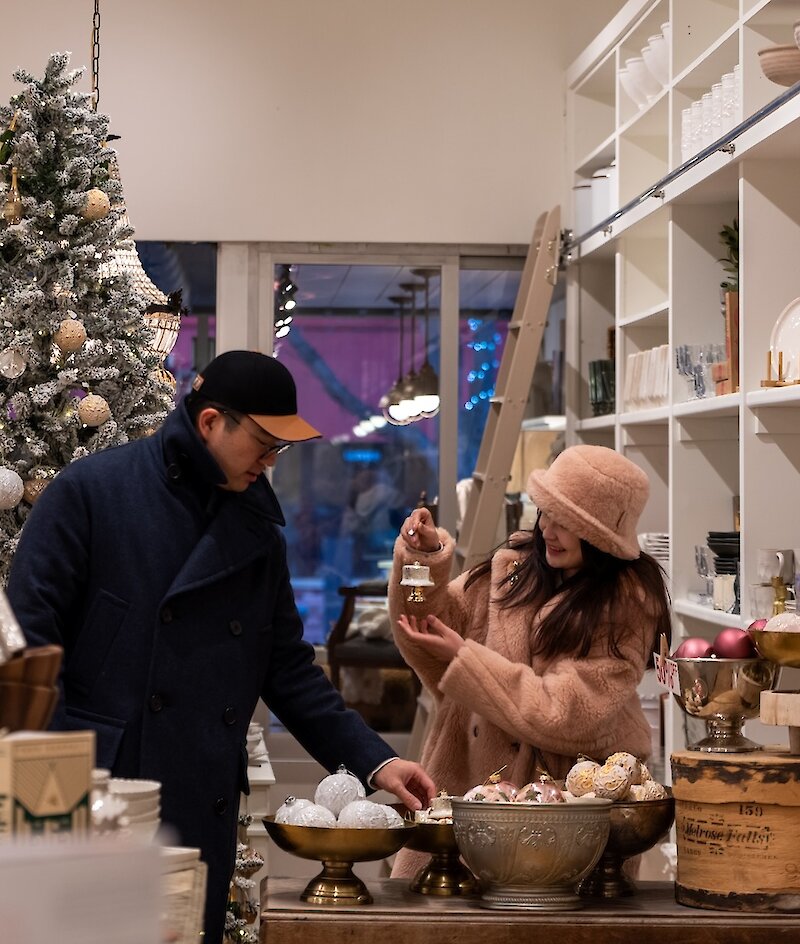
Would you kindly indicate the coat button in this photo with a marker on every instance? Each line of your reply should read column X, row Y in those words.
column 220, row 806
column 235, row 627
column 156, row 702
column 229, row 716
column 167, row 615
column 173, row 471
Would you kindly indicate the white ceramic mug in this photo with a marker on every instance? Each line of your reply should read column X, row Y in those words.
column 771, row 562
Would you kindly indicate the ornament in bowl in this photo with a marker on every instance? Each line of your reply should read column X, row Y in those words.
column 723, row 687
column 444, row 874
column 339, row 828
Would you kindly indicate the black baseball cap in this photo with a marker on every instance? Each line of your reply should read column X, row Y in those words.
column 258, row 386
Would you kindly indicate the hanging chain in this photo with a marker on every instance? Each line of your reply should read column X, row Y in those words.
column 96, row 55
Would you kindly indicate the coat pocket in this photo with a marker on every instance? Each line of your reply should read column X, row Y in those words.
column 108, row 733
column 87, row 659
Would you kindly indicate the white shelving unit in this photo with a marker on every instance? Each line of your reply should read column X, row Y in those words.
column 653, row 276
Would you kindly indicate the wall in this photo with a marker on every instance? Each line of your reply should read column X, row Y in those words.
column 351, row 120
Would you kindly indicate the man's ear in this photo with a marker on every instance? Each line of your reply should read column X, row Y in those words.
column 207, row 419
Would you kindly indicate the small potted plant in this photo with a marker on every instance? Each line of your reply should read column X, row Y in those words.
column 729, row 237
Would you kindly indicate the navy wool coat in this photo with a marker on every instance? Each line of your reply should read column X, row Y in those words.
column 171, row 598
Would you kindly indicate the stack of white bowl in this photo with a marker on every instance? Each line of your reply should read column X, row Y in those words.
column 643, row 77
column 142, row 805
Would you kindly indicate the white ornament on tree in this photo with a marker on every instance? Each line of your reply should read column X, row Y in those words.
column 337, row 790
column 11, row 488
column 12, row 363
column 95, row 205
column 93, row 410
column 70, row 335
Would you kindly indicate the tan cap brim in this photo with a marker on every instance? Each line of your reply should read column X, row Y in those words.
column 288, row 428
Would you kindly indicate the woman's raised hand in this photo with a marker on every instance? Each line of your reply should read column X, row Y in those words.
column 419, row 532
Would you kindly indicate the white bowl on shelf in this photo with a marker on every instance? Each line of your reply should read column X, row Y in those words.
column 785, row 340
column 656, row 58
column 631, row 87
column 643, row 77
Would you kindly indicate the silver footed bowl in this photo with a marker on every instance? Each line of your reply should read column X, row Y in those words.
column 724, row 693
column 337, row 848
column 531, row 855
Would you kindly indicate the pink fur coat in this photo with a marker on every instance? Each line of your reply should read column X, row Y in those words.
column 497, row 705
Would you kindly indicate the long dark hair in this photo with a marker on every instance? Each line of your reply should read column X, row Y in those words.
column 603, row 586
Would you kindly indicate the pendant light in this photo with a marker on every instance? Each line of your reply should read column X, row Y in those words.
column 427, row 380
column 390, row 402
column 409, row 407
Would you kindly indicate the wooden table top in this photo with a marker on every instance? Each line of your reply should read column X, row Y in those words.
column 398, row 915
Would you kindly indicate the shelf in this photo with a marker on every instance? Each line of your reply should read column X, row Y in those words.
column 708, row 615
column 726, row 405
column 607, row 421
column 657, row 416
column 656, row 316
column 601, row 156
column 778, row 397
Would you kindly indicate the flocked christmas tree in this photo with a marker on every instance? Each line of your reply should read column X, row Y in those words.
column 78, row 372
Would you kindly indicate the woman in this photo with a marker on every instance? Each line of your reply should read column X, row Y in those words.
column 534, row 656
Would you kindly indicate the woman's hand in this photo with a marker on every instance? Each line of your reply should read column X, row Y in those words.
column 432, row 635
column 419, row 532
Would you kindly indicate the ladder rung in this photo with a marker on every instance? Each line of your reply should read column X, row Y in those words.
column 498, row 398
column 479, row 476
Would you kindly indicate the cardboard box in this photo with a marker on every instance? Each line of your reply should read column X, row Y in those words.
column 45, row 782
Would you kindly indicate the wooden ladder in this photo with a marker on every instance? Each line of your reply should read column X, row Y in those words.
column 507, row 406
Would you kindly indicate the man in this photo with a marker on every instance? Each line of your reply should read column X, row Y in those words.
column 160, row 568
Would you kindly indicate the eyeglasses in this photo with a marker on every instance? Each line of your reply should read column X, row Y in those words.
column 274, row 450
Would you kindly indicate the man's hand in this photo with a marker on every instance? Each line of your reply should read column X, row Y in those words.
column 407, row 781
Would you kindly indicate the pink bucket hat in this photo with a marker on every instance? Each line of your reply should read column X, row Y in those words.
column 595, row 493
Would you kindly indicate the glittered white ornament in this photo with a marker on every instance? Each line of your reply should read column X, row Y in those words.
column 11, row 488
column 93, row 410
column 337, row 790
column 95, row 205
column 580, row 779
column 362, row 814
column 12, row 363
column 393, row 819
column 312, row 815
column 70, row 335
column 290, row 807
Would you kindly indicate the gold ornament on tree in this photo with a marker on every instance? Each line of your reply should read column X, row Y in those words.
column 96, row 205
column 37, row 483
column 12, row 363
column 12, row 208
column 70, row 335
column 93, row 410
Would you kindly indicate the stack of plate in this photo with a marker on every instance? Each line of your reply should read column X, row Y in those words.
column 725, row 547
column 656, row 544
column 143, row 804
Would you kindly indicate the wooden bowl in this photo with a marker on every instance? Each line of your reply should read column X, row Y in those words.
column 780, row 64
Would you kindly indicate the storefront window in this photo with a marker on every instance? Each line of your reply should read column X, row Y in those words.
column 345, row 496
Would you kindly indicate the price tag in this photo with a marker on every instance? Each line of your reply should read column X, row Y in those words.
column 667, row 673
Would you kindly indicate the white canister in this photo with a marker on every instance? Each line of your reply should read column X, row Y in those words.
column 581, row 208
column 601, row 197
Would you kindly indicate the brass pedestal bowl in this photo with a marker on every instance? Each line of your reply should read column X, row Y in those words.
column 444, row 874
column 636, row 826
column 337, row 848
